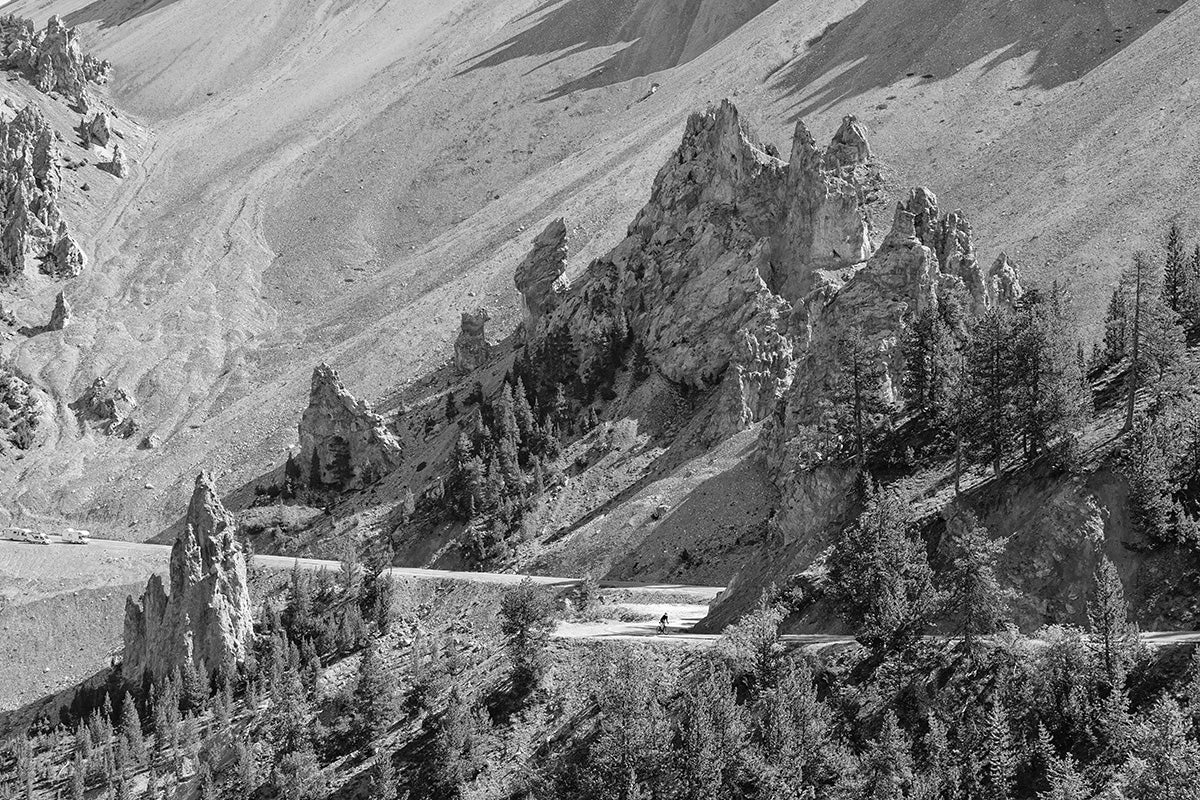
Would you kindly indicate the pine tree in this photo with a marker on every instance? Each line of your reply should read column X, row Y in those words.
column 1051, row 391
column 78, row 777
column 451, row 407
column 1108, row 620
column 858, row 406
column 131, row 729
column 525, row 621
column 975, row 595
column 1000, row 760
column 1156, row 338
column 991, row 385
column 1175, row 270
column 931, row 362
column 712, row 736
column 1116, row 326
column 1065, row 782
column 374, row 697
column 880, row 575
column 887, row 763
column 1191, row 300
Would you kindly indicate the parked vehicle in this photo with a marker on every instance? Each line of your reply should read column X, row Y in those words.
column 75, row 536
column 25, row 535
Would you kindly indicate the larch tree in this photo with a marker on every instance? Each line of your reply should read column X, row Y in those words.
column 991, row 392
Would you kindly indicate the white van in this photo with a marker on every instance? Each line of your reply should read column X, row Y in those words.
column 75, row 536
column 26, row 535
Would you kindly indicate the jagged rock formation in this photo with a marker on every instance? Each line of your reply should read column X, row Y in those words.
column 97, row 130
column 61, row 314
column 743, row 273
column 52, row 59
column 343, row 443
column 31, row 226
column 206, row 620
column 111, row 406
column 539, row 277
column 119, row 166
column 826, row 225
column 471, row 350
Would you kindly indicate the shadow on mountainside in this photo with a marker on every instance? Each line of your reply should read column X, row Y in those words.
column 651, row 36
column 111, row 13
column 886, row 41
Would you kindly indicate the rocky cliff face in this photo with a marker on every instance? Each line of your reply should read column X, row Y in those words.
column 343, row 443
column 52, row 59
column 206, row 618
column 31, row 227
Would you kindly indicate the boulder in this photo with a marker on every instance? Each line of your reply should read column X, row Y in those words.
column 344, row 444
column 471, row 350
column 206, row 619
column 539, row 278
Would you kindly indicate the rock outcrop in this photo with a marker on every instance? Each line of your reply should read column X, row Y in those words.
column 110, row 406
column 744, row 274
column 119, row 165
column 343, row 443
column 52, row 59
column 31, row 226
column 206, row 619
column 539, row 278
column 97, row 130
column 471, row 349
column 61, row 315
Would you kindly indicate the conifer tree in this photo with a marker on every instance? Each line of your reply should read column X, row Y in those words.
column 1108, row 621
column 712, row 736
column 881, row 577
column 384, row 781
column 858, row 406
column 374, row 696
column 976, row 597
column 1175, row 270
column 1065, row 782
column 931, row 366
column 991, row 385
column 1116, row 326
column 78, row 777
column 525, row 621
column 887, row 764
column 1001, row 767
column 131, row 729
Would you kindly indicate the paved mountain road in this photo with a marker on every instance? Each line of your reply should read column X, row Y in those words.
column 683, row 605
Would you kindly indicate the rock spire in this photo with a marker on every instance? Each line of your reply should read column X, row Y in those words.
column 344, row 444
column 206, row 618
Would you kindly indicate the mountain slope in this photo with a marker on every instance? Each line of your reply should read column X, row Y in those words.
column 335, row 181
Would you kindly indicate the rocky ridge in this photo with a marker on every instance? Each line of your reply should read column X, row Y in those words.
column 206, row 620
column 743, row 273
column 344, row 444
